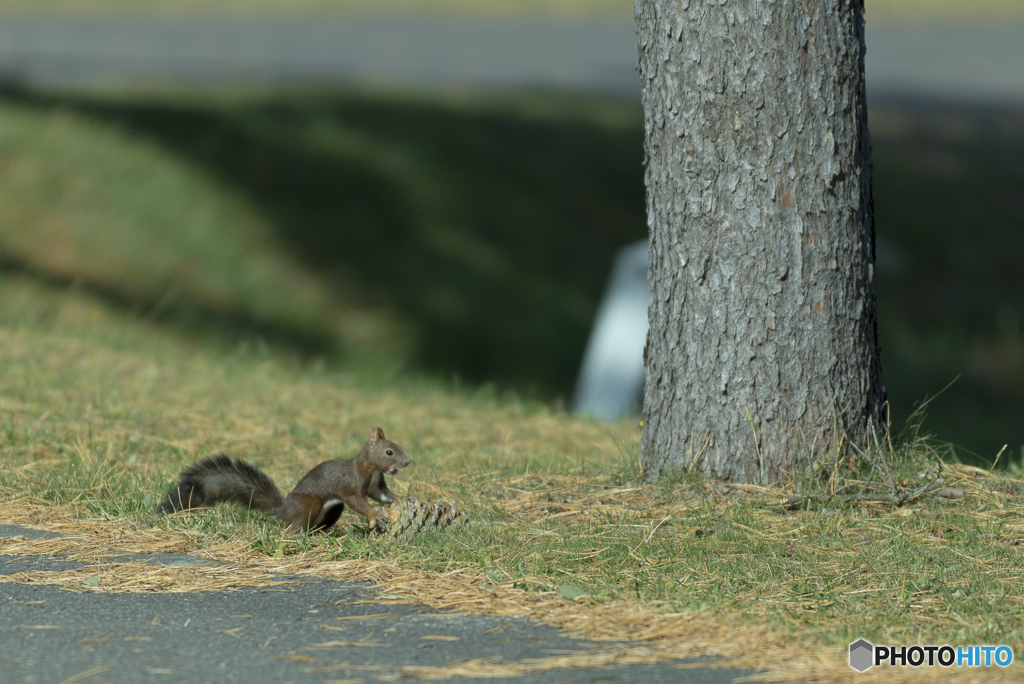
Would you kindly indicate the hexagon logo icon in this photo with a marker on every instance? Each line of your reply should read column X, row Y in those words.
column 861, row 655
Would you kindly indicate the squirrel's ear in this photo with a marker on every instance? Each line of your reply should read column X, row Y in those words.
column 375, row 434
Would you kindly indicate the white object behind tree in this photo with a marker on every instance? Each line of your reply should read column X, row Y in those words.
column 611, row 378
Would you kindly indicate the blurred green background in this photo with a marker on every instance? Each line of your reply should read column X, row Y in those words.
column 469, row 235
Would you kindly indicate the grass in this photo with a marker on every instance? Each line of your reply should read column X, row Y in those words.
column 117, row 215
column 101, row 409
column 140, row 331
column 470, row 236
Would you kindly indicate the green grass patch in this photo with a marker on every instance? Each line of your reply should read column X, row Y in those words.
column 271, row 275
column 101, row 417
column 85, row 204
column 462, row 234
column 470, row 236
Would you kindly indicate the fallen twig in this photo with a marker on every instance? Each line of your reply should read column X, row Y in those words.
column 795, row 500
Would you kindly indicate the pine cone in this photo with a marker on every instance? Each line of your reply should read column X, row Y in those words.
column 410, row 516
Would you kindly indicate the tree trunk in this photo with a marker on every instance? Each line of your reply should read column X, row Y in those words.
column 762, row 349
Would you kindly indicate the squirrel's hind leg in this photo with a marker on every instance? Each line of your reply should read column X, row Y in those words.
column 306, row 512
column 329, row 514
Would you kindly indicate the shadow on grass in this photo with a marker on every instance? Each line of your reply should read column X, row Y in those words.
column 487, row 227
column 949, row 207
column 231, row 324
column 487, row 231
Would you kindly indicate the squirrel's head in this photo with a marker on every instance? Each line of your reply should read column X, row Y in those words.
column 386, row 454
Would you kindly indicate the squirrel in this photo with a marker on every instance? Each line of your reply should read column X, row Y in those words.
column 316, row 503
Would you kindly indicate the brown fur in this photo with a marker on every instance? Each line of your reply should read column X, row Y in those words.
column 317, row 501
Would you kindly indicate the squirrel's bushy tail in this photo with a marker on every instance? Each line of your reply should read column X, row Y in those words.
column 219, row 478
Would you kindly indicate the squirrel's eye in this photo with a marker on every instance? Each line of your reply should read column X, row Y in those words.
column 389, row 452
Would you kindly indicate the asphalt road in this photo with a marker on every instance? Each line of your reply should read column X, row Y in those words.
column 264, row 635
column 401, row 49
column 978, row 61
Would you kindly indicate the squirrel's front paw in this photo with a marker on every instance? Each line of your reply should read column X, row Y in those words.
column 380, row 524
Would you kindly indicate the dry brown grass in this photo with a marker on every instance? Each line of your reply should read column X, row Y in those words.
column 157, row 407
column 637, row 633
column 93, row 426
column 641, row 635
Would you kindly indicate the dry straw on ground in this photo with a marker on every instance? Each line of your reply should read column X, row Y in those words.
column 626, row 632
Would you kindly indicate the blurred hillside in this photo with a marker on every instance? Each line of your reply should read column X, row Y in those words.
column 472, row 235
column 469, row 235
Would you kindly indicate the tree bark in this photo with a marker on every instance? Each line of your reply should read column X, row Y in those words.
column 762, row 349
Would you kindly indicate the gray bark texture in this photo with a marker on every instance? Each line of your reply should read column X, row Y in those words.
column 762, row 349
